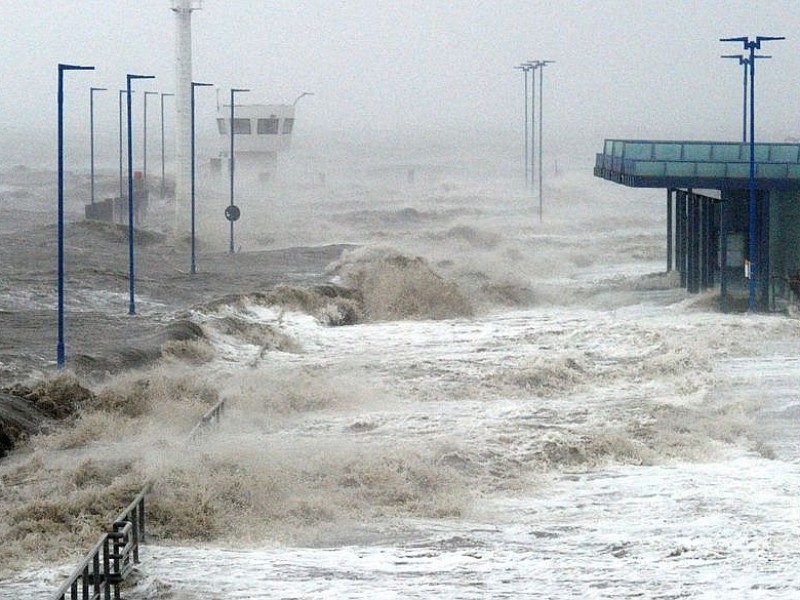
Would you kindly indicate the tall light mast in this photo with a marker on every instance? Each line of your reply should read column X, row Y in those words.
column 183, row 108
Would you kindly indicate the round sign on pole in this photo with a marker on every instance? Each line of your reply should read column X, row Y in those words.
column 232, row 213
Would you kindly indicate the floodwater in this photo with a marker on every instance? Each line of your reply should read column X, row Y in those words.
column 516, row 410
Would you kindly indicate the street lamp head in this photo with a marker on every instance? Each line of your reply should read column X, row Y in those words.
column 235, row 90
column 97, row 89
column 63, row 67
column 198, row 84
column 303, row 95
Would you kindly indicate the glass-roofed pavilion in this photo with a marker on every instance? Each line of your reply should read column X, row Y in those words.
column 707, row 187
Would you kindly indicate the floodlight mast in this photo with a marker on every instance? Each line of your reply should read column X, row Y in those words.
column 525, row 68
column 754, row 271
column 60, row 346
column 745, row 62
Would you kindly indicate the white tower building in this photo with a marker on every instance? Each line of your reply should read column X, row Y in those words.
column 183, row 88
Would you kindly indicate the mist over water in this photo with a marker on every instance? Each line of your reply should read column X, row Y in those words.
column 455, row 400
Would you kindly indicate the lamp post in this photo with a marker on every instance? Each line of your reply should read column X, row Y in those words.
column 60, row 347
column 533, row 65
column 163, row 170
column 144, row 140
column 751, row 46
column 303, row 95
column 232, row 213
column 195, row 84
column 121, row 156
column 92, row 90
column 131, row 269
column 525, row 68
column 744, row 61
column 542, row 64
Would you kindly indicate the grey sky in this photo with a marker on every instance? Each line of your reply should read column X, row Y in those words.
column 634, row 68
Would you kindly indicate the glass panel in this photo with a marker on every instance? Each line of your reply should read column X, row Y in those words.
column 288, row 124
column 794, row 172
column 618, row 146
column 682, row 169
column 762, row 153
column 638, row 151
column 608, row 148
column 710, row 169
column 667, row 151
column 222, row 125
column 771, row 171
column 784, row 154
column 241, row 127
column 726, row 152
column 268, row 126
column 697, row 152
column 650, row 167
column 740, row 170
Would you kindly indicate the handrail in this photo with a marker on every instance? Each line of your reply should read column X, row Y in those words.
column 112, row 559
column 212, row 417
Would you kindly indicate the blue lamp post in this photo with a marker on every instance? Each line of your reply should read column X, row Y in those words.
column 92, row 90
column 131, row 269
column 232, row 213
column 60, row 348
column 194, row 262
column 144, row 140
column 163, row 169
column 751, row 46
column 744, row 61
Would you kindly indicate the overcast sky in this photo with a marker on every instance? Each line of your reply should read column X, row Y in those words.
column 628, row 68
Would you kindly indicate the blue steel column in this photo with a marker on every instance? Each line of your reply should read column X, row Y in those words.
column 60, row 346
column 131, row 269
column 752, row 46
column 92, row 90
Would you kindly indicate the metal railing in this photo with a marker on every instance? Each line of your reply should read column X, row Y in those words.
column 111, row 560
column 208, row 420
column 108, row 564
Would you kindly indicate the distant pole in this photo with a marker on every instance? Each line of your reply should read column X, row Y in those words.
column 533, row 65
column 542, row 65
column 163, row 169
column 233, row 213
column 193, row 267
column 121, row 185
column 144, row 140
column 131, row 269
column 302, row 95
column 525, row 68
column 92, row 90
column 60, row 347
column 745, row 62
column 751, row 46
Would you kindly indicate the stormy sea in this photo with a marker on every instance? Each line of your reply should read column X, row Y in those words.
column 431, row 391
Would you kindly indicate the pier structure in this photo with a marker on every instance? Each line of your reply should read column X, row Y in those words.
column 708, row 218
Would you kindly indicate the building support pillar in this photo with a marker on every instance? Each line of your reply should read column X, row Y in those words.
column 723, row 251
column 763, row 250
column 669, row 230
column 681, row 225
